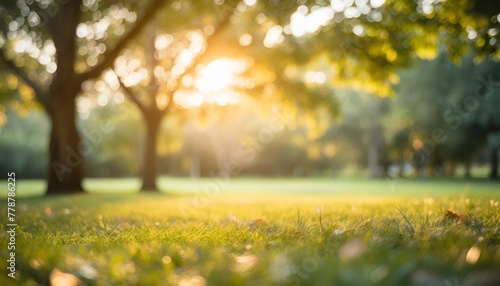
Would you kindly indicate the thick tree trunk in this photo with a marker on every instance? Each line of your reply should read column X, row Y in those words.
column 149, row 160
column 65, row 157
column 152, row 116
column 494, row 164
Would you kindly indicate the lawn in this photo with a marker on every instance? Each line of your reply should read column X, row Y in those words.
column 259, row 232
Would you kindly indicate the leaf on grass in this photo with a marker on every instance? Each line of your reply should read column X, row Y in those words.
column 257, row 222
column 366, row 222
column 48, row 211
column 124, row 225
column 59, row 278
column 452, row 215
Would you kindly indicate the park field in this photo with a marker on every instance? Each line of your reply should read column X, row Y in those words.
column 257, row 232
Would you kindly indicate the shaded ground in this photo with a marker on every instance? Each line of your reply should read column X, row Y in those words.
column 249, row 232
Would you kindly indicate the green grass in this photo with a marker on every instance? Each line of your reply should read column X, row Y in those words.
column 335, row 186
column 260, row 232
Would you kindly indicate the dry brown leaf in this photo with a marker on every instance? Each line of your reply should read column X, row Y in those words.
column 452, row 215
column 48, row 211
column 260, row 222
column 124, row 224
column 257, row 222
column 366, row 222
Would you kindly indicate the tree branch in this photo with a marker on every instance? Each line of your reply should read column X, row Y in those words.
column 131, row 94
column 110, row 57
column 40, row 93
column 199, row 57
column 45, row 16
column 210, row 39
column 170, row 97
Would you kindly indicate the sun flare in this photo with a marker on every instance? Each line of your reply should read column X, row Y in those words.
column 215, row 76
column 213, row 83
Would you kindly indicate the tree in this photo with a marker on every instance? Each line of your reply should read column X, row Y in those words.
column 61, row 28
column 478, row 108
column 455, row 101
column 152, row 109
column 220, row 37
column 371, row 45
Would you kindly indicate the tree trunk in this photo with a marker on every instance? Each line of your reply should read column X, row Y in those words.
column 468, row 167
column 494, row 164
column 195, row 170
column 149, row 160
column 374, row 142
column 401, row 169
column 422, row 168
column 152, row 115
column 65, row 156
column 451, row 170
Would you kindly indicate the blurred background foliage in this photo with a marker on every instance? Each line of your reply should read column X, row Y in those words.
column 431, row 95
column 326, row 87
